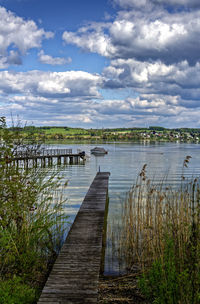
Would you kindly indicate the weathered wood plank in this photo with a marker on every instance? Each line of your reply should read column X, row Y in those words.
column 43, row 156
column 75, row 274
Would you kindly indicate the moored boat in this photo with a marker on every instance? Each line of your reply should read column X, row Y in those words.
column 98, row 151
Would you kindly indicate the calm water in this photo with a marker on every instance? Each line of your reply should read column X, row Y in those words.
column 124, row 161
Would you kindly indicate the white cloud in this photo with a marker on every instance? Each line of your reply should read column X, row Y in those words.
column 154, row 52
column 145, row 3
column 155, row 78
column 153, row 35
column 91, row 38
column 52, row 87
column 156, row 106
column 186, row 3
column 131, row 3
column 3, row 63
column 17, row 33
column 70, row 98
column 39, row 96
column 140, row 111
column 70, row 84
column 47, row 59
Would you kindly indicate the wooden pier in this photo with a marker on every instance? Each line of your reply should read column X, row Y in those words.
column 75, row 274
column 45, row 158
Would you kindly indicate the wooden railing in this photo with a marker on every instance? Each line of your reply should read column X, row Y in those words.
column 42, row 152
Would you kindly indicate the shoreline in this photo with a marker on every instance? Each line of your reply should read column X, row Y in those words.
column 121, row 289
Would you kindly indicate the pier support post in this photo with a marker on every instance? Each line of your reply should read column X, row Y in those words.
column 31, row 159
column 59, row 160
column 49, row 161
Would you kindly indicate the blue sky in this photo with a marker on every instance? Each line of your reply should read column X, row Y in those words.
column 108, row 63
column 57, row 16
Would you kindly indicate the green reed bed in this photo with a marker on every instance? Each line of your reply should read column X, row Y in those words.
column 32, row 222
column 160, row 234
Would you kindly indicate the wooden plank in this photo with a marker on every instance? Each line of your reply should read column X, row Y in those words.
column 75, row 274
column 22, row 155
column 44, row 156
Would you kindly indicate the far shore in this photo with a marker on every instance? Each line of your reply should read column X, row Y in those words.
column 151, row 134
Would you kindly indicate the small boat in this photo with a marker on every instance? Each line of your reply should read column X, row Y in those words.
column 98, row 151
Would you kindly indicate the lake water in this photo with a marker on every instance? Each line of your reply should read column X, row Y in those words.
column 124, row 161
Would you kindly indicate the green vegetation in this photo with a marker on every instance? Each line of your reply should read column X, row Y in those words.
column 160, row 233
column 31, row 223
column 153, row 133
column 15, row 291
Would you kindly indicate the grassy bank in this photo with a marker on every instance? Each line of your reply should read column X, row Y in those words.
column 160, row 234
column 115, row 134
column 31, row 224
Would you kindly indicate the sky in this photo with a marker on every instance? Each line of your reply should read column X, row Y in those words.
column 100, row 63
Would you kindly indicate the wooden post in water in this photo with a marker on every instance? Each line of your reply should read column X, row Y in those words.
column 26, row 163
column 75, row 274
column 46, row 157
column 49, row 161
column 59, row 160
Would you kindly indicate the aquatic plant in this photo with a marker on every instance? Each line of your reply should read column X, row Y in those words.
column 160, row 233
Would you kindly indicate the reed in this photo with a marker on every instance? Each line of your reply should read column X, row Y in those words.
column 160, row 227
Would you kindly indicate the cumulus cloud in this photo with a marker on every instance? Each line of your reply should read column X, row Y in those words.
column 154, row 53
column 145, row 3
column 153, row 35
column 188, row 3
column 73, row 98
column 143, row 105
column 71, row 84
column 18, row 35
column 42, row 97
column 47, row 59
column 139, row 111
column 91, row 38
column 155, row 78
column 131, row 3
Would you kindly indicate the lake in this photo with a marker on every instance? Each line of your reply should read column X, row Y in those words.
column 124, row 161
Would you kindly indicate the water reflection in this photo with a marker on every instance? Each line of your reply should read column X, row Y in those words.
column 124, row 161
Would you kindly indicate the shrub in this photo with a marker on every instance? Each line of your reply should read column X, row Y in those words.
column 15, row 291
column 32, row 219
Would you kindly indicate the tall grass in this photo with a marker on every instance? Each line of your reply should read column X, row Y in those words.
column 32, row 224
column 160, row 233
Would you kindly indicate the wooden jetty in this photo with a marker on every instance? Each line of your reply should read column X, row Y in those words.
column 47, row 157
column 75, row 274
